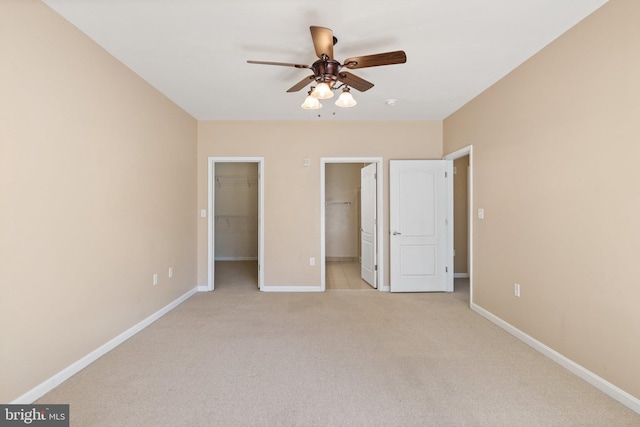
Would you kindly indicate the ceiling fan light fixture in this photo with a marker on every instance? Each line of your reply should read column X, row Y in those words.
column 311, row 103
column 322, row 91
column 327, row 72
column 345, row 100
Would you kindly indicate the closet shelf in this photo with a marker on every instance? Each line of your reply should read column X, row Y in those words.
column 236, row 181
column 236, row 217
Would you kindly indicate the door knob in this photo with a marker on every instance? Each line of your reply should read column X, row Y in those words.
column 396, row 233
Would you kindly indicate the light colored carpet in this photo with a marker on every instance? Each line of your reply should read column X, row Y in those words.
column 239, row 357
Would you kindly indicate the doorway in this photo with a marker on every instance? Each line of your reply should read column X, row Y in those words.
column 235, row 222
column 351, row 217
column 461, row 226
column 463, row 220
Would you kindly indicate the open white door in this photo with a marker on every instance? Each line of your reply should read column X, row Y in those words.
column 368, row 224
column 421, row 242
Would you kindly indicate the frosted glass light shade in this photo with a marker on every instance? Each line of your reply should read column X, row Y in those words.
column 346, row 100
column 322, row 91
column 311, row 103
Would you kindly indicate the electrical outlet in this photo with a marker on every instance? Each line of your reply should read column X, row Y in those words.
column 170, row 272
column 516, row 289
column 155, row 279
column 312, row 261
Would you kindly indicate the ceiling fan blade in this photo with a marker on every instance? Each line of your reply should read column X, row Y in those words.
column 302, row 83
column 322, row 41
column 354, row 81
column 283, row 64
column 388, row 58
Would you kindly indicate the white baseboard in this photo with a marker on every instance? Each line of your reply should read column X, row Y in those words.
column 291, row 289
column 460, row 275
column 203, row 288
column 48, row 385
column 600, row 383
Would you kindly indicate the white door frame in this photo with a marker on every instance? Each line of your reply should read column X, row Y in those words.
column 380, row 203
column 211, row 215
column 467, row 151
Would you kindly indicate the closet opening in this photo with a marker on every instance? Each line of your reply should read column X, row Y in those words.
column 235, row 223
column 350, row 223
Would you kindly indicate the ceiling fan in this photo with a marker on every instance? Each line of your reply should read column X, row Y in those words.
column 328, row 73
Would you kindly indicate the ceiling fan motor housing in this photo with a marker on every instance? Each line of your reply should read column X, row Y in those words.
column 326, row 70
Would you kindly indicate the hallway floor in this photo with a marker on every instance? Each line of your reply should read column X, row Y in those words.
column 344, row 275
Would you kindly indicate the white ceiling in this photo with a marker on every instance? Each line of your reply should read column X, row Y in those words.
column 195, row 51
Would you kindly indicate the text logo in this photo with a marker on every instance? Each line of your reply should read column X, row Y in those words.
column 34, row 415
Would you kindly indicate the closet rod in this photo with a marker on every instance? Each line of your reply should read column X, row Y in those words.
column 336, row 203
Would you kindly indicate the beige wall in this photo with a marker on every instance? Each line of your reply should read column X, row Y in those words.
column 556, row 147
column 292, row 191
column 97, row 193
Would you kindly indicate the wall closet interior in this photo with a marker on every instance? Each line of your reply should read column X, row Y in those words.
column 342, row 211
column 342, row 226
column 236, row 223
